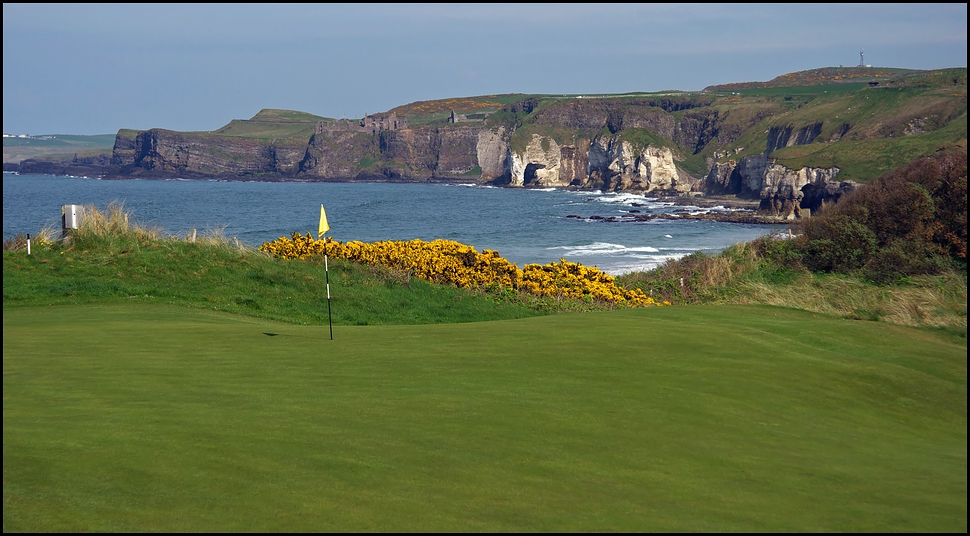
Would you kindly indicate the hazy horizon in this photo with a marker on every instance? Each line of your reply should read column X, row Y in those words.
column 94, row 68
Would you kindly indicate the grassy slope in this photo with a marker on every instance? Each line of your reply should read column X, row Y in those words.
column 861, row 160
column 136, row 417
column 222, row 278
column 877, row 141
column 827, row 76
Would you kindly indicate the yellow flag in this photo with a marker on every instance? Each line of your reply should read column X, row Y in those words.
column 324, row 226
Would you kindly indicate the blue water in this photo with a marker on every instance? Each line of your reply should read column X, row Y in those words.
column 525, row 226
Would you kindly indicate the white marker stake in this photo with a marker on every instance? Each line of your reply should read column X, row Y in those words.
column 326, row 267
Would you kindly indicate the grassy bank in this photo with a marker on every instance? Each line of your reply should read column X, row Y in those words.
column 216, row 275
column 150, row 417
column 112, row 259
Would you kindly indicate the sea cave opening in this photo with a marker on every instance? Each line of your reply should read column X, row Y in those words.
column 530, row 175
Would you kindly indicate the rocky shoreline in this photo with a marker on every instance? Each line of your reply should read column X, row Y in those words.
column 739, row 210
column 722, row 217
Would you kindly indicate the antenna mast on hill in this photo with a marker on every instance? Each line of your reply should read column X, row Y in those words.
column 862, row 58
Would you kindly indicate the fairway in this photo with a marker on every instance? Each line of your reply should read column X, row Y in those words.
column 729, row 418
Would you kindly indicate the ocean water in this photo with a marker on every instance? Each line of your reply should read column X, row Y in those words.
column 524, row 225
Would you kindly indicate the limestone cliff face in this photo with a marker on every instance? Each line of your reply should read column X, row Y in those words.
column 615, row 165
column 492, row 149
column 603, row 162
column 782, row 190
column 538, row 165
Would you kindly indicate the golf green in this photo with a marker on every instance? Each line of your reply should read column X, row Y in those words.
column 158, row 418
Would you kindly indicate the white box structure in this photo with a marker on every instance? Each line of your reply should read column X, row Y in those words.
column 70, row 218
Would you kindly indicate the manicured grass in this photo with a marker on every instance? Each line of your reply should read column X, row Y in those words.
column 156, row 418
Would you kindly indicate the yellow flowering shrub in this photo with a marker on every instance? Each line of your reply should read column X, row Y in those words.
column 450, row 262
column 573, row 280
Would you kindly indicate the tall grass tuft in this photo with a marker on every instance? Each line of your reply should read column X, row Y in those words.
column 763, row 272
column 115, row 221
column 110, row 230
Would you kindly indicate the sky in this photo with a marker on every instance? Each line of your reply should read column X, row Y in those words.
column 95, row 68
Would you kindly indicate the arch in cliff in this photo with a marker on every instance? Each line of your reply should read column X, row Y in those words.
column 531, row 173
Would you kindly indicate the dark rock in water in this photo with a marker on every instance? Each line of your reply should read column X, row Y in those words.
column 634, row 211
column 577, row 216
column 741, row 216
column 638, row 205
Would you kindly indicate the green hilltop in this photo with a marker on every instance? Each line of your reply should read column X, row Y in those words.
column 272, row 124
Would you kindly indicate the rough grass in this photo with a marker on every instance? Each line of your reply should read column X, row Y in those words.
column 267, row 130
column 270, row 124
column 740, row 276
column 286, row 116
column 932, row 301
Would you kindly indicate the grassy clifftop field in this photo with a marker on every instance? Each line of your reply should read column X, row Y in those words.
column 60, row 145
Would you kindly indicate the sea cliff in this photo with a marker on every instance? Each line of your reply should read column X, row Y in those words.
column 791, row 149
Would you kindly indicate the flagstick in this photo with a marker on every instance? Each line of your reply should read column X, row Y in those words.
column 326, row 265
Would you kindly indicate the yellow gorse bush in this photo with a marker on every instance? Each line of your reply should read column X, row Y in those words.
column 450, row 262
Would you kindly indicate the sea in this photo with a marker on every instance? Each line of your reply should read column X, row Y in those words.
column 523, row 225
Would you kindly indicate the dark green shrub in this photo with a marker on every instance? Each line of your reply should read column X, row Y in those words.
column 780, row 252
column 838, row 243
